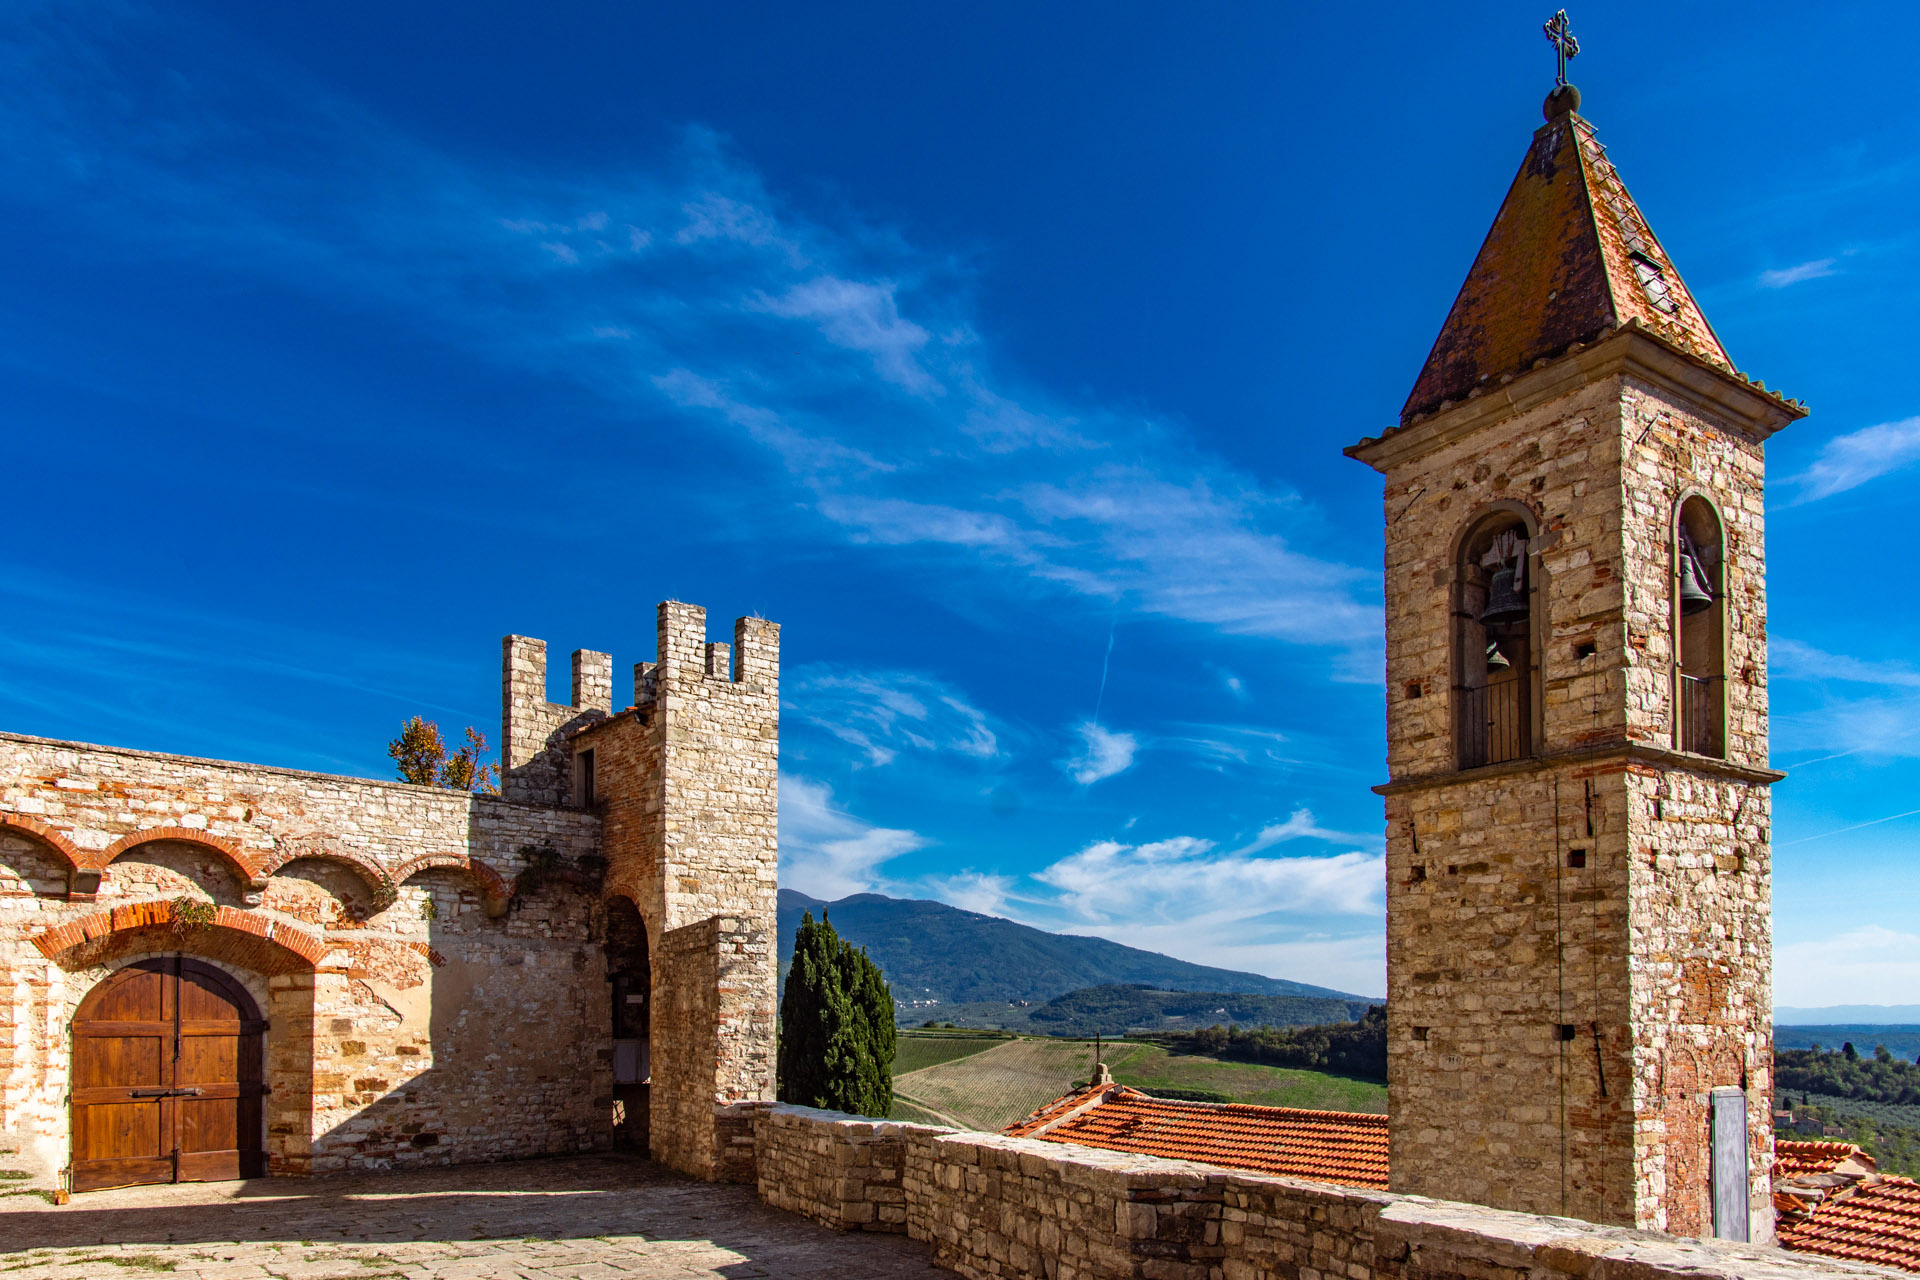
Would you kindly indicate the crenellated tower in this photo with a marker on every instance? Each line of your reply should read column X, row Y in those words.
column 685, row 782
column 1578, row 936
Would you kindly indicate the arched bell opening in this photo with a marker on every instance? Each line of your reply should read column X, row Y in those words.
column 1700, row 629
column 1495, row 629
column 630, row 988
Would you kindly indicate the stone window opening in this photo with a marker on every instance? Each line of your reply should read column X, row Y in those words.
column 1699, row 607
column 583, row 792
column 1496, row 676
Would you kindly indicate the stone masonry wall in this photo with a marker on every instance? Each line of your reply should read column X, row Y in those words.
column 1000, row 1207
column 421, row 1011
column 1702, row 997
column 1495, row 946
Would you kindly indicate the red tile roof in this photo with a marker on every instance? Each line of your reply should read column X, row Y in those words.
column 1326, row 1146
column 1793, row 1158
column 1569, row 259
column 1832, row 1202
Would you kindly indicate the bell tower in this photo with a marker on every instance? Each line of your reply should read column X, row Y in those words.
column 1578, row 937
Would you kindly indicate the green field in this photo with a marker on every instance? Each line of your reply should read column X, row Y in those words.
column 1001, row 1082
column 917, row 1052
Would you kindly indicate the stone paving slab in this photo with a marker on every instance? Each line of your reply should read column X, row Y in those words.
column 587, row 1218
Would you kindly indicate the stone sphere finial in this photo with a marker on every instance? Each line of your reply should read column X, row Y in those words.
column 1564, row 100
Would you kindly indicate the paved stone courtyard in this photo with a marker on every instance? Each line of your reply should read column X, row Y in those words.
column 591, row 1218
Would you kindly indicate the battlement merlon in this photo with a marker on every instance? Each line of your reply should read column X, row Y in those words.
column 752, row 660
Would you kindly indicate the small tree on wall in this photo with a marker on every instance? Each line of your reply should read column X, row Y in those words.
column 836, row 1026
column 420, row 756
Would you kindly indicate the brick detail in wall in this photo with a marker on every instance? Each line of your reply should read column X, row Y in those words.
column 60, row 943
column 45, row 835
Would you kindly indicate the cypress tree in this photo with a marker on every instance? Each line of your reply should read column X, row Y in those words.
column 836, row 1026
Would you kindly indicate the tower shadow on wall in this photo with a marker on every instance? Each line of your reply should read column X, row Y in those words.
column 468, row 1037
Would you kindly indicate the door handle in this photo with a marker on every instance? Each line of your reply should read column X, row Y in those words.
column 164, row 1093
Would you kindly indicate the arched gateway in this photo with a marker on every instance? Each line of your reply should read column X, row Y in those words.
column 168, row 1077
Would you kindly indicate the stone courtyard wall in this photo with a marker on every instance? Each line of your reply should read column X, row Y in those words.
column 998, row 1207
column 421, row 1010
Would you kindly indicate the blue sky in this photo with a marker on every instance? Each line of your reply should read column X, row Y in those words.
column 1002, row 353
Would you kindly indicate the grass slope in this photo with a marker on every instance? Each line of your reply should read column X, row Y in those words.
column 993, row 1087
column 916, row 1052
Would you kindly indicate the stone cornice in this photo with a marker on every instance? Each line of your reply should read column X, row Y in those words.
column 1631, row 350
column 1629, row 752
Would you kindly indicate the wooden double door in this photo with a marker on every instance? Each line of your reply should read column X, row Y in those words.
column 168, row 1078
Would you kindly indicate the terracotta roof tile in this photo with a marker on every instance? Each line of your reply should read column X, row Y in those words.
column 1569, row 258
column 1832, row 1201
column 1878, row 1222
column 1327, row 1146
column 1793, row 1158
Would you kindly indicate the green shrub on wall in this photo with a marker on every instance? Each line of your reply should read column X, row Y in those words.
column 836, row 1026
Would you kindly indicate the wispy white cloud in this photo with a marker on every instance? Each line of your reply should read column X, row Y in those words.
column 882, row 713
column 844, row 352
column 1785, row 276
column 1312, row 918
column 1850, row 460
column 827, row 852
column 1881, row 721
column 1102, row 753
column 1186, row 881
column 1301, row 826
column 1791, row 660
column 1871, row 964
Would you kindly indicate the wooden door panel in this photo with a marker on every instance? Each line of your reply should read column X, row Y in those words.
column 207, row 1060
column 98, row 1175
column 124, row 1061
column 115, row 1129
column 189, row 1034
column 135, row 994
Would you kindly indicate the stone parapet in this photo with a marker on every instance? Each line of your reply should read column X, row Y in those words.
column 997, row 1207
column 842, row 1171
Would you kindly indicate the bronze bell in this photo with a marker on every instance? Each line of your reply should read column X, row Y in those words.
column 1496, row 660
column 1696, row 593
column 1504, row 604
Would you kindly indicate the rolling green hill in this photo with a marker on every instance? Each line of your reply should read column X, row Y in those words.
column 935, row 955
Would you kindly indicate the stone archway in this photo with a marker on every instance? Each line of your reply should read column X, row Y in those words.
column 271, row 961
column 169, row 1078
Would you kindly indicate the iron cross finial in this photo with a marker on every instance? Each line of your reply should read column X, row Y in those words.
column 1560, row 36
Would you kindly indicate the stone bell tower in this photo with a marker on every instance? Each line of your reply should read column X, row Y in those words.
column 1578, row 938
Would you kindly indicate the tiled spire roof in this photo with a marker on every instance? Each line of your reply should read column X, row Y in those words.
column 1568, row 260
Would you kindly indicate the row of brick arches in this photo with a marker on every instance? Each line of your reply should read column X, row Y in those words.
column 168, row 1078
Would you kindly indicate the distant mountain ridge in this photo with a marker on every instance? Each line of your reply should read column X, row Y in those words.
column 932, row 951
column 1827, row 1015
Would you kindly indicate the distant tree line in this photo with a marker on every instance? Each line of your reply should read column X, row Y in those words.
column 1845, row 1073
column 1350, row 1048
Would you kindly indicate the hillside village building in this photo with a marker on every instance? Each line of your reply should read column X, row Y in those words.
column 218, row 970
